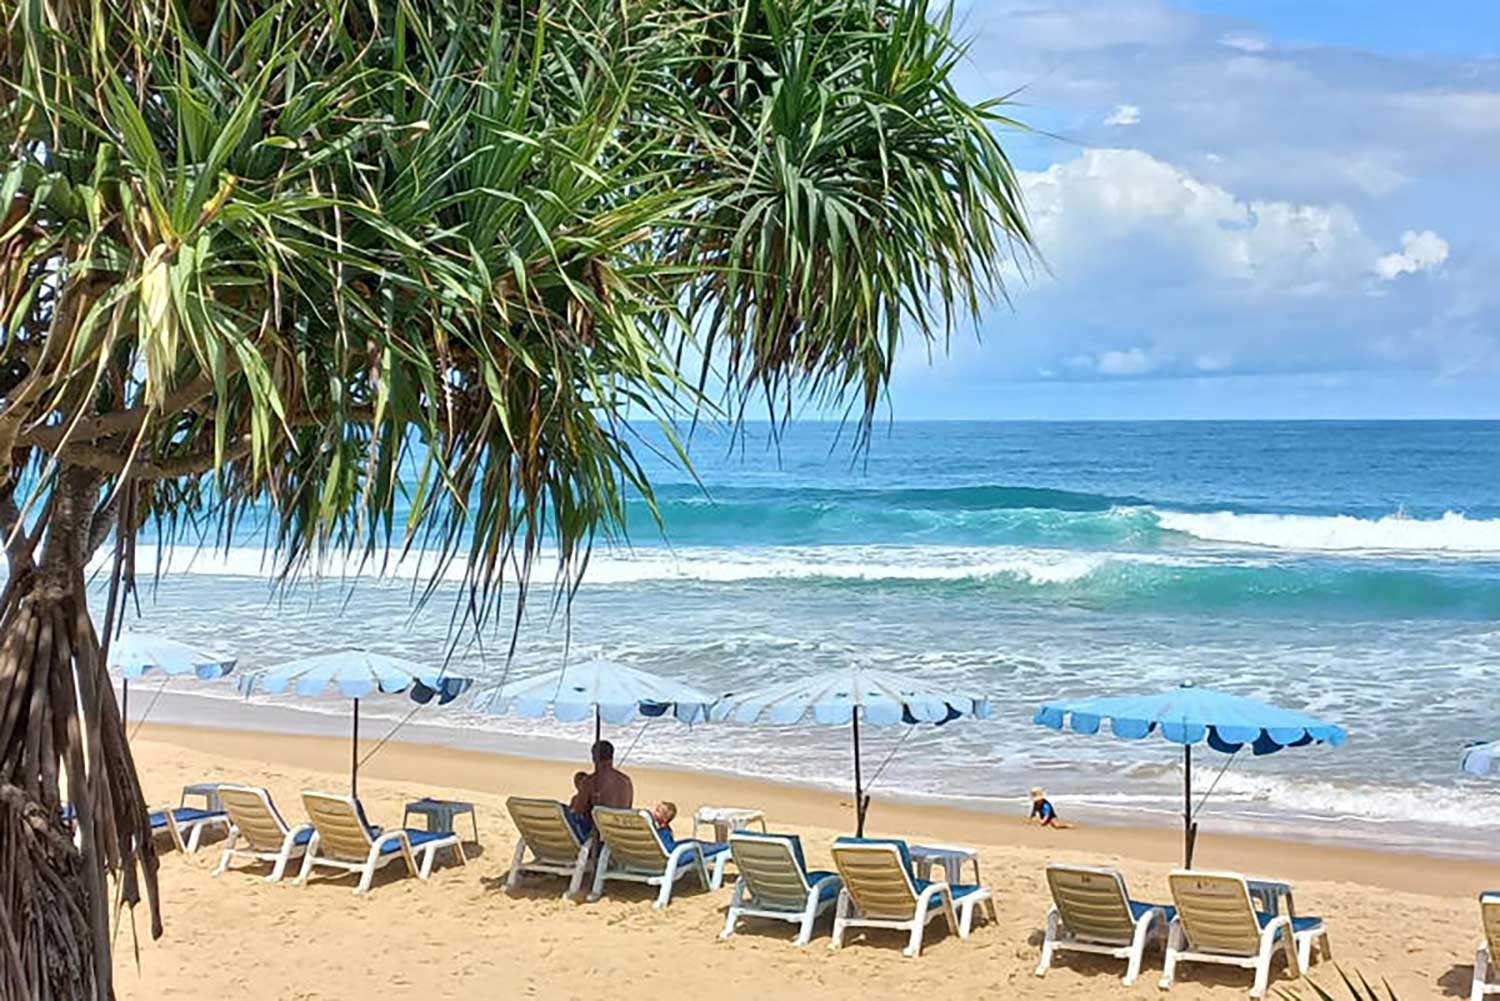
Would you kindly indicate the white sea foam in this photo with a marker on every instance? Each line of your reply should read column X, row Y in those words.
column 1395, row 533
column 707, row 564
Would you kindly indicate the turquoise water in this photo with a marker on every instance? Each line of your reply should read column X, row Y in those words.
column 1351, row 569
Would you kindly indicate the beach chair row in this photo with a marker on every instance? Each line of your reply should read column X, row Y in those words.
column 336, row 836
column 1215, row 917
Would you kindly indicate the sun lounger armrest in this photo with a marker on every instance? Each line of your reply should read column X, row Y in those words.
column 1279, row 923
column 395, row 834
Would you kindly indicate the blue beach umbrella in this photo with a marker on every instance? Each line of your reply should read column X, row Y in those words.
column 1189, row 715
column 1482, row 759
column 603, row 689
column 849, row 696
column 133, row 655
column 356, row 674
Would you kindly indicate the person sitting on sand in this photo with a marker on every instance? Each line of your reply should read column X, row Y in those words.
column 580, row 807
column 608, row 785
column 1043, row 812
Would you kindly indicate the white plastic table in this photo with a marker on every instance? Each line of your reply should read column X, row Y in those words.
column 441, row 813
column 726, row 819
column 950, row 857
column 206, row 791
column 1267, row 894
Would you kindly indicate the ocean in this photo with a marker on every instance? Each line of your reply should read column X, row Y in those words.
column 1351, row 570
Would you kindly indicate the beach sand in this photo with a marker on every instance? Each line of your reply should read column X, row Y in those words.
column 1408, row 919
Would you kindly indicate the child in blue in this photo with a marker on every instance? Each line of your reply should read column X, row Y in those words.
column 1042, row 810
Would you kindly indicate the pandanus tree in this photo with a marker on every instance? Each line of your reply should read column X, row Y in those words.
column 404, row 274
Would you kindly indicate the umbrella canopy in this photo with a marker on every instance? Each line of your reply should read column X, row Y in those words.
column 1189, row 715
column 133, row 654
column 605, row 690
column 1482, row 759
column 851, row 695
column 356, row 674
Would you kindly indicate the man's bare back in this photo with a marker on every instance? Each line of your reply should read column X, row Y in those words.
column 611, row 787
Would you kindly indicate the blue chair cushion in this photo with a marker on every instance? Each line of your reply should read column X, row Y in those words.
column 830, row 887
column 959, row 890
column 1138, row 908
column 417, row 839
column 184, row 815
column 303, row 836
column 901, row 848
column 1298, row 924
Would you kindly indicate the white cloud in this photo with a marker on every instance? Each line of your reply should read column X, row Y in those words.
column 1124, row 114
column 1132, row 362
column 1245, row 43
column 1087, row 210
column 1419, row 252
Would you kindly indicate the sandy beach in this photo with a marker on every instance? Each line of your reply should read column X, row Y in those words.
column 1405, row 918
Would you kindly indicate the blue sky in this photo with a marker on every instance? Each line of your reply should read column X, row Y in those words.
column 1247, row 209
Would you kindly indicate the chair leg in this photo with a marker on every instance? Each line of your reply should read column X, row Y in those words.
column 429, row 856
column 367, row 874
column 601, row 872
column 965, row 917
column 580, row 868
column 308, row 859
column 1049, row 943
column 1481, row 973
column 1269, row 940
column 1138, row 947
column 840, row 921
column 718, row 872
column 919, row 926
column 809, row 918
column 1169, row 962
column 278, row 868
column 517, row 857
column 735, row 903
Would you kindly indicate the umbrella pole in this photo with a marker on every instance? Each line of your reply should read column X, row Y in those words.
column 354, row 756
column 598, row 727
column 124, row 700
column 1189, row 829
column 859, row 787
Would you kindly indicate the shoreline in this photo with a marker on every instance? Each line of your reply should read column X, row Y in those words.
column 473, row 770
column 231, row 713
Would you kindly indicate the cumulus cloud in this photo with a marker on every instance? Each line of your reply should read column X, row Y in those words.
column 1419, row 252
column 1124, row 114
column 1087, row 209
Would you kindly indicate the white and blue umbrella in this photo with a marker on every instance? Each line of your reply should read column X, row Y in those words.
column 849, row 696
column 1482, row 759
column 602, row 689
column 1189, row 715
column 356, row 674
column 133, row 655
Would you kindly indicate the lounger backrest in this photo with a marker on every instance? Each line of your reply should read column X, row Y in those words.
column 544, row 827
column 632, row 839
column 341, row 832
column 768, row 865
column 1489, row 911
column 1092, row 902
column 1215, row 911
column 254, row 815
column 876, row 878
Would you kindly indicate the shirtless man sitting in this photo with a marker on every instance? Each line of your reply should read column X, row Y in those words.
column 610, row 786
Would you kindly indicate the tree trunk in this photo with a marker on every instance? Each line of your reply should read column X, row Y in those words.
column 60, row 729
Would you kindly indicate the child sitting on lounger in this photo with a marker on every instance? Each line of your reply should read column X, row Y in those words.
column 664, row 813
column 1043, row 812
column 581, row 807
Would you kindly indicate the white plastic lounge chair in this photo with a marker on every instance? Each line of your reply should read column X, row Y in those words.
column 774, row 883
column 1217, row 923
column 343, row 839
column 880, row 891
column 555, row 844
column 1092, row 912
column 635, row 851
column 1488, row 956
column 185, row 825
column 255, row 821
